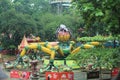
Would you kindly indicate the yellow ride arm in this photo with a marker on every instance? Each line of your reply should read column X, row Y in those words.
column 95, row 43
column 51, row 52
column 75, row 50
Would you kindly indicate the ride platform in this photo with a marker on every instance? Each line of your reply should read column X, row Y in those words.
column 70, row 63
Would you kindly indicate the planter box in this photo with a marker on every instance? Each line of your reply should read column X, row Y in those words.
column 106, row 74
column 93, row 75
column 106, row 71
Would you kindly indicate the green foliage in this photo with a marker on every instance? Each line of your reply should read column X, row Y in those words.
column 51, row 22
column 5, row 5
column 22, row 17
column 96, row 38
column 32, row 6
column 16, row 23
column 104, row 12
column 104, row 57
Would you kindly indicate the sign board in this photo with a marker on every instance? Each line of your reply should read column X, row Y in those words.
column 92, row 74
column 66, row 76
column 59, row 75
column 20, row 74
column 52, row 75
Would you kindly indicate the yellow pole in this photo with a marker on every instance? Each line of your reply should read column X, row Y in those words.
column 44, row 49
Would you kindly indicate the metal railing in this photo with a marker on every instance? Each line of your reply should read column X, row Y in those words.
column 60, row 1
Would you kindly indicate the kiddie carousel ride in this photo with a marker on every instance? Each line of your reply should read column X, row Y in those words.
column 60, row 49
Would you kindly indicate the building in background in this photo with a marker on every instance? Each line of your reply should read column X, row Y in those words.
column 59, row 6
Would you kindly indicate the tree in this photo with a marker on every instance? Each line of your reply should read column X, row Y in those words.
column 104, row 13
column 12, row 24
column 5, row 5
column 19, row 17
column 50, row 22
column 32, row 6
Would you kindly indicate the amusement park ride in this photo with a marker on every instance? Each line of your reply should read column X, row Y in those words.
column 32, row 51
column 60, row 49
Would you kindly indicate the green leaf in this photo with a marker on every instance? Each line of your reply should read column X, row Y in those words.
column 88, row 6
column 99, row 13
